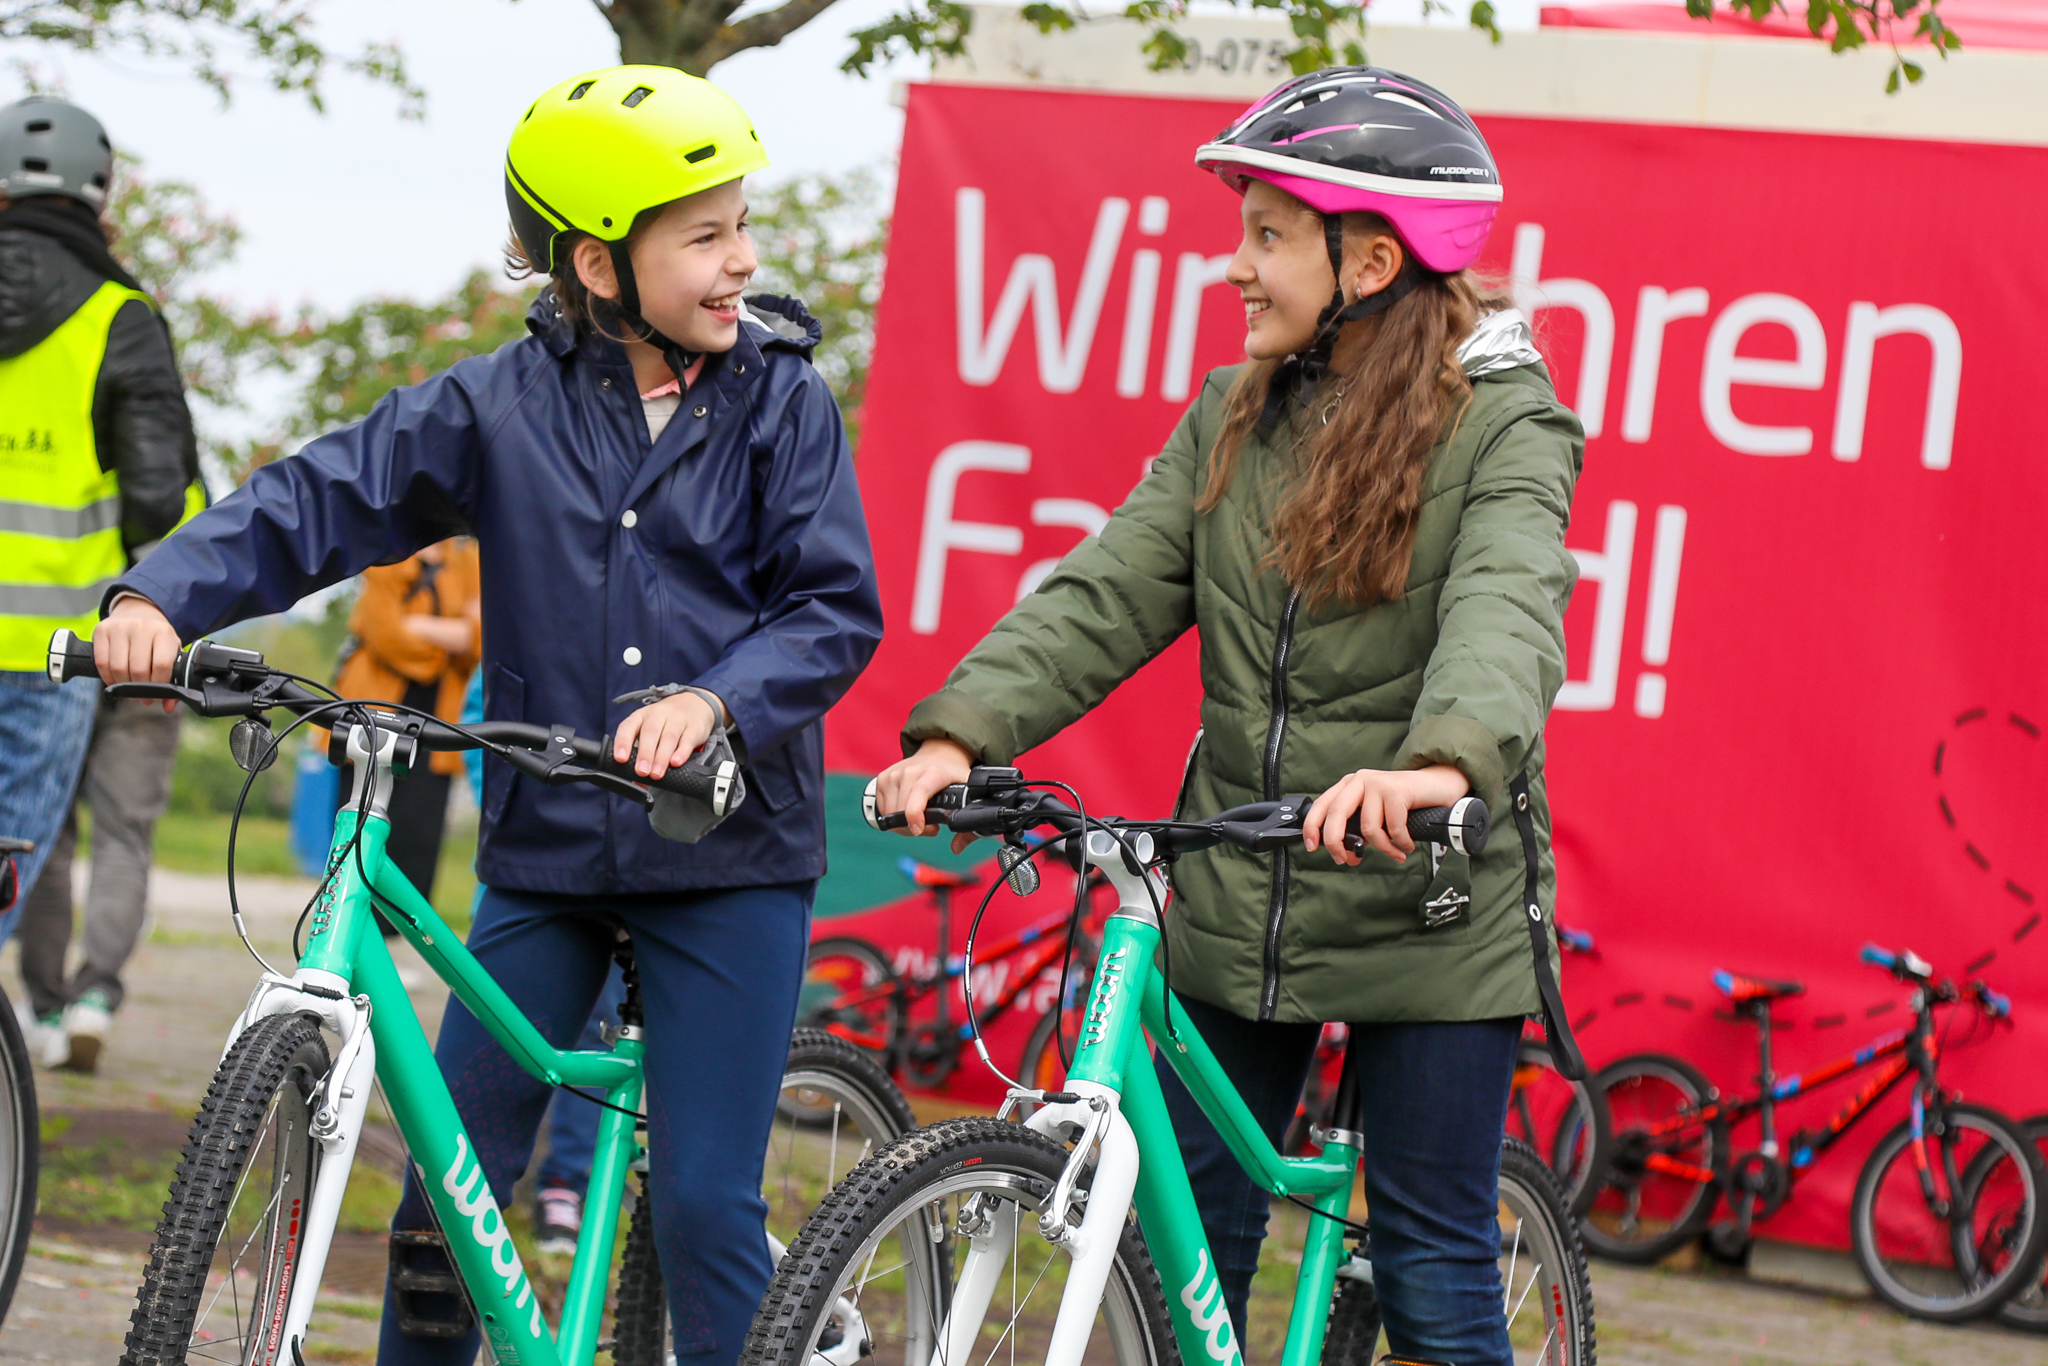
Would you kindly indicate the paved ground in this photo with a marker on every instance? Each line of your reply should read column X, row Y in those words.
column 192, row 976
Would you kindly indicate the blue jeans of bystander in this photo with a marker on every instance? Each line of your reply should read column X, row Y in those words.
column 44, row 730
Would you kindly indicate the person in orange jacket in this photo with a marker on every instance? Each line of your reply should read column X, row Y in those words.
column 414, row 640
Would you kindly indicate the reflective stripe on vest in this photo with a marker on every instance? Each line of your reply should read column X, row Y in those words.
column 60, row 513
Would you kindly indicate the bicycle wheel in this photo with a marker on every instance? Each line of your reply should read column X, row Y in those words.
column 1959, row 1263
column 1657, row 1188
column 1542, row 1260
column 852, row 990
column 1564, row 1121
column 20, row 1152
column 2028, row 1308
column 838, row 1107
column 227, row 1252
column 1547, row 1293
column 873, row 1275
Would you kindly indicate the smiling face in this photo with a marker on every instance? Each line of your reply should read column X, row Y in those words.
column 690, row 264
column 1282, row 268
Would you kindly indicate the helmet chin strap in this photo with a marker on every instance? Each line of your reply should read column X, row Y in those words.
column 628, row 308
column 1308, row 366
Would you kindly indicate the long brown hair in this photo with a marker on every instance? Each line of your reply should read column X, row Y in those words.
column 1345, row 524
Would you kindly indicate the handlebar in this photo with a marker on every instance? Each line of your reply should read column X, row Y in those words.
column 1903, row 964
column 222, row 680
column 996, row 801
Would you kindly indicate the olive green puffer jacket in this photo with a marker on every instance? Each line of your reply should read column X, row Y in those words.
column 1462, row 670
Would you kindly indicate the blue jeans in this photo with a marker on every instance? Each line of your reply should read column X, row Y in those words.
column 45, row 728
column 572, row 1124
column 719, row 973
column 1435, row 1103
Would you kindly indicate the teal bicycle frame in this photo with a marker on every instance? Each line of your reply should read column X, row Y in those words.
column 1121, row 1108
column 347, row 978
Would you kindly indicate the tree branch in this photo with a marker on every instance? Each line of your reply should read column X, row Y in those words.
column 765, row 29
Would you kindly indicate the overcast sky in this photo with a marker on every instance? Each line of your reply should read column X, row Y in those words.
column 358, row 202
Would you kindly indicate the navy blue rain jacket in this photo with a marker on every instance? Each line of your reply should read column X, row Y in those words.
column 732, row 554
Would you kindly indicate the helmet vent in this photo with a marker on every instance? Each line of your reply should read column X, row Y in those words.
column 581, row 90
column 708, row 150
column 635, row 95
column 34, row 164
column 1392, row 98
column 39, row 126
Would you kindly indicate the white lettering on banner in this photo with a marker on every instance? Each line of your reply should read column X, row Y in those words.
column 1143, row 298
column 1079, row 513
column 1868, row 323
column 1724, row 369
column 1533, row 294
column 1665, row 553
column 942, row 535
column 1194, row 274
column 1607, row 568
column 1654, row 309
column 1033, row 281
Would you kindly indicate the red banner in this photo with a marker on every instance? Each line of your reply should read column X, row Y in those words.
column 1807, row 683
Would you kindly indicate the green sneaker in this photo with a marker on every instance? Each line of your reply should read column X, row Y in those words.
column 85, row 1025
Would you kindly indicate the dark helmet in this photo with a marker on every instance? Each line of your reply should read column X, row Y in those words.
column 1358, row 138
column 53, row 147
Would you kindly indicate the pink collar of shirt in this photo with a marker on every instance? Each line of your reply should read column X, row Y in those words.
column 674, row 386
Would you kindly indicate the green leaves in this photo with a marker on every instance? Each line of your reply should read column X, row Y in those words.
column 1850, row 24
column 277, row 38
column 923, row 26
column 822, row 239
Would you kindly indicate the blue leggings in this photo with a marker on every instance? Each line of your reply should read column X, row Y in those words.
column 719, row 973
column 1435, row 1103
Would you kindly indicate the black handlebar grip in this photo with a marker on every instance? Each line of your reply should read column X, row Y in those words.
column 70, row 657
column 1464, row 825
column 694, row 783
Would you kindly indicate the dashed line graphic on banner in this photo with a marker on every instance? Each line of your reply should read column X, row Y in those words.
column 2010, row 887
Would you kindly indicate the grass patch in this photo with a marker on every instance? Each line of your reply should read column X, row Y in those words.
column 111, row 1184
column 197, row 842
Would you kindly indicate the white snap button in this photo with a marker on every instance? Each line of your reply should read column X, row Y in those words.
column 604, row 383
column 699, row 411
column 632, row 655
column 629, row 519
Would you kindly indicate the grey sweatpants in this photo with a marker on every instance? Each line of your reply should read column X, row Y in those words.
column 127, row 782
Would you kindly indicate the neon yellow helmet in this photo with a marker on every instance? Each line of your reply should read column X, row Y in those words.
column 599, row 149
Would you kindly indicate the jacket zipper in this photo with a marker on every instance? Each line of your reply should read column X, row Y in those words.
column 1276, row 735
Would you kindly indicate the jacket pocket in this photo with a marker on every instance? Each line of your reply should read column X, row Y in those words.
column 505, row 700
column 774, row 780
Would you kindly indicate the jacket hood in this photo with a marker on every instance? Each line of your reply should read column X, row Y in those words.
column 41, row 285
column 772, row 321
column 1501, row 341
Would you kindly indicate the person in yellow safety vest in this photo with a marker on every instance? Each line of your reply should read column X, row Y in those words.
column 97, row 457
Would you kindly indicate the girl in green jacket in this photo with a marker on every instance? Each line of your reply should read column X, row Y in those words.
column 1366, row 522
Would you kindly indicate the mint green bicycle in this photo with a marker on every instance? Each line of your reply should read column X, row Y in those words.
column 978, row 1240
column 234, row 1273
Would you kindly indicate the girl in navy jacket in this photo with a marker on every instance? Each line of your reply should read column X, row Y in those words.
column 662, row 492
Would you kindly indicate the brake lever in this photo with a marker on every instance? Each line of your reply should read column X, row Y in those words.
column 158, row 692
column 554, row 772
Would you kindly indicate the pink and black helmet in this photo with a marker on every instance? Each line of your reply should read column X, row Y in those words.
column 1358, row 138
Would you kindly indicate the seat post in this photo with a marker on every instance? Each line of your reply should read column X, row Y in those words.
column 1766, row 1078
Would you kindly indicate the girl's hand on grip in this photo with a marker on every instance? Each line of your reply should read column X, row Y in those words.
column 668, row 732
column 1381, row 800
column 908, row 785
column 136, row 644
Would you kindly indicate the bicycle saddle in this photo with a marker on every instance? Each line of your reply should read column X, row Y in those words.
column 924, row 875
column 1742, row 990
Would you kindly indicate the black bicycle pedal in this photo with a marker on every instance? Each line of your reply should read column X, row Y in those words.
column 425, row 1289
